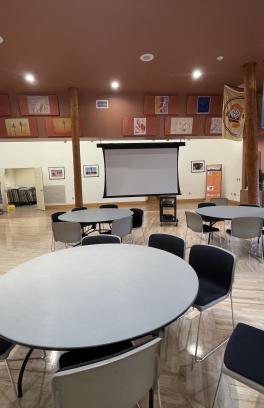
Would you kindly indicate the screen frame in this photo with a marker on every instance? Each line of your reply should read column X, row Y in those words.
column 159, row 145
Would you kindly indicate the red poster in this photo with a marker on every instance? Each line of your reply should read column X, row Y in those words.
column 213, row 181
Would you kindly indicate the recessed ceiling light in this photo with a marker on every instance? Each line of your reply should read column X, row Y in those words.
column 220, row 58
column 30, row 78
column 197, row 73
column 146, row 57
column 115, row 84
column 1, row 40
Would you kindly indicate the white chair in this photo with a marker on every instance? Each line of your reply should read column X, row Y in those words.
column 5, row 349
column 219, row 201
column 246, row 228
column 195, row 223
column 122, row 227
column 119, row 382
column 66, row 232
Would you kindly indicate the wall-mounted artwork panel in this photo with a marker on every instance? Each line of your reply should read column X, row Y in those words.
column 5, row 108
column 204, row 105
column 18, row 128
column 160, row 105
column 140, row 126
column 58, row 127
column 38, row 105
column 180, row 126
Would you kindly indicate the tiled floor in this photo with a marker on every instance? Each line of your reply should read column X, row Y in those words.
column 26, row 234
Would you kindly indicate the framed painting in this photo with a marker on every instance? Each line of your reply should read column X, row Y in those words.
column 91, row 170
column 198, row 166
column 60, row 127
column 38, row 105
column 21, row 127
column 56, row 173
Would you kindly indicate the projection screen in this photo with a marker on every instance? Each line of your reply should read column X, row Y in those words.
column 141, row 169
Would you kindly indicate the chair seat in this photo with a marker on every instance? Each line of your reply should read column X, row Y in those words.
column 5, row 348
column 244, row 353
column 207, row 229
column 208, row 292
column 79, row 357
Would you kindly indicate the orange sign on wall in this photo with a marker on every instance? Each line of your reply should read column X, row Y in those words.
column 213, row 181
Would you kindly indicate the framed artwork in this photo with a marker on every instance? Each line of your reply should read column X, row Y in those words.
column 91, row 170
column 181, row 126
column 213, row 126
column 21, row 127
column 203, row 104
column 5, row 108
column 140, row 126
column 38, row 105
column 102, row 103
column 198, row 166
column 56, row 173
column 160, row 105
column 60, row 127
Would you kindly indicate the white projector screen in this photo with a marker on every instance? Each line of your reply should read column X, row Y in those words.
column 141, row 169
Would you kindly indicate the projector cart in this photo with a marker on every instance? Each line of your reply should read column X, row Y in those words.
column 168, row 208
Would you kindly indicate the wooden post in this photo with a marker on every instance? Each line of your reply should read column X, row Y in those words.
column 76, row 155
column 251, row 146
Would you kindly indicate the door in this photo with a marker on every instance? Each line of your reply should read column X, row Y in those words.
column 3, row 197
column 39, row 188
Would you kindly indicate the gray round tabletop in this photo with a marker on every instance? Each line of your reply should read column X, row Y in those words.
column 96, row 215
column 228, row 212
column 94, row 295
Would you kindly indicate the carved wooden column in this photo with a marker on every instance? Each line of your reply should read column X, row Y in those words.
column 76, row 155
column 251, row 146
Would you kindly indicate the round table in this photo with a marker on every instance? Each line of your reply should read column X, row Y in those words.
column 228, row 212
column 96, row 215
column 94, row 295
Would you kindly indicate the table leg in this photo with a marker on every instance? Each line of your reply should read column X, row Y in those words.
column 21, row 373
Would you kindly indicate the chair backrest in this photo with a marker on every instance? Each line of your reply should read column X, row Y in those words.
column 108, row 206
column 206, row 204
column 246, row 227
column 249, row 205
column 118, row 382
column 219, row 201
column 79, row 208
column 55, row 216
column 213, row 264
column 67, row 232
column 194, row 221
column 122, row 227
column 138, row 215
column 100, row 239
column 169, row 243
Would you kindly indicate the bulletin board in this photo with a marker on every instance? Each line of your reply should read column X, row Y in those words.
column 213, row 181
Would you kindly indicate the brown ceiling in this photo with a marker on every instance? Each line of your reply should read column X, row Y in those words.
column 87, row 43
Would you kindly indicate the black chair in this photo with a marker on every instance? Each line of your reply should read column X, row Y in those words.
column 215, row 270
column 55, row 216
column 108, row 206
column 249, row 205
column 169, row 243
column 5, row 349
column 206, row 204
column 101, row 239
column 138, row 216
column 84, row 224
column 205, row 218
column 244, row 358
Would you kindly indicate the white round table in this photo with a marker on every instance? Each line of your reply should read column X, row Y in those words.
column 228, row 212
column 94, row 295
column 96, row 215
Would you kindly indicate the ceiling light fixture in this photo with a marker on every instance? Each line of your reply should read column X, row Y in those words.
column 220, row 58
column 1, row 40
column 115, row 84
column 30, row 78
column 146, row 57
column 197, row 73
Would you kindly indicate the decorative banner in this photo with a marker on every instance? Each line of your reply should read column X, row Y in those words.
column 38, row 105
column 59, row 127
column 233, row 115
column 204, row 105
column 161, row 105
column 181, row 126
column 213, row 181
column 140, row 126
column 5, row 109
column 21, row 127
column 144, row 126
column 213, row 126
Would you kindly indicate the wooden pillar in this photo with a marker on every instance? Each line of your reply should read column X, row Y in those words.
column 76, row 155
column 251, row 146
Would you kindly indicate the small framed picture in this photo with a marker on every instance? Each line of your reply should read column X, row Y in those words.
column 56, row 173
column 198, row 166
column 91, row 170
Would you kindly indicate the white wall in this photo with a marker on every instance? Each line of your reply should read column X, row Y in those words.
column 58, row 153
column 20, row 177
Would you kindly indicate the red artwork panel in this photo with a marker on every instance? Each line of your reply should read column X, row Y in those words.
column 38, row 105
column 140, row 126
column 213, row 126
column 204, row 105
column 160, row 105
column 181, row 126
column 58, row 127
column 5, row 108
column 18, row 128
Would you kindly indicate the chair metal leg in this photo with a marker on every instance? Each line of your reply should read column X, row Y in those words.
column 232, row 310
column 197, row 338
column 12, row 381
column 151, row 398
column 217, row 389
column 209, row 238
